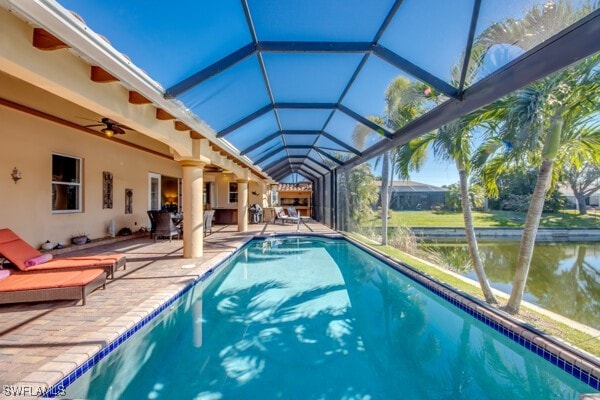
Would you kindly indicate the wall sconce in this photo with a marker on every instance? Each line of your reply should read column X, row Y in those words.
column 16, row 175
column 255, row 193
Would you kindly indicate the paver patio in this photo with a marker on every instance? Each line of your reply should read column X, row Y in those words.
column 40, row 343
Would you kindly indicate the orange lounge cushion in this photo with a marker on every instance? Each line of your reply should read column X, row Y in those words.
column 19, row 281
column 16, row 249
column 75, row 262
column 18, row 252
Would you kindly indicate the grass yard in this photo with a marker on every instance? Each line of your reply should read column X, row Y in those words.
column 498, row 219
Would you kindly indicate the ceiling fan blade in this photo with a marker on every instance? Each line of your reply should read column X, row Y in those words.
column 118, row 130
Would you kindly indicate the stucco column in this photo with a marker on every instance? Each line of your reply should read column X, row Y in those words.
column 242, row 204
column 193, row 208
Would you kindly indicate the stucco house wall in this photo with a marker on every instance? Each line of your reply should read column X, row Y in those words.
column 28, row 142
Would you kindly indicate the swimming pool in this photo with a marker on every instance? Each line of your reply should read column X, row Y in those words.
column 304, row 318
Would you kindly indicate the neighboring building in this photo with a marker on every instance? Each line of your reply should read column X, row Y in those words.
column 590, row 201
column 408, row 195
column 297, row 195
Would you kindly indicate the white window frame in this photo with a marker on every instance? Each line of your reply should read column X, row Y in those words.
column 78, row 184
column 158, row 177
column 229, row 193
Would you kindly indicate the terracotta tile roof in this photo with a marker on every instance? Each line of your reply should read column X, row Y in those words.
column 296, row 187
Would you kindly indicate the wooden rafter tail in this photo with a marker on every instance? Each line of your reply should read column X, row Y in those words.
column 44, row 40
column 196, row 135
column 99, row 75
column 136, row 98
column 163, row 115
column 180, row 126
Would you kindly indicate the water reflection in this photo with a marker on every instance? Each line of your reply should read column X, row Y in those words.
column 563, row 278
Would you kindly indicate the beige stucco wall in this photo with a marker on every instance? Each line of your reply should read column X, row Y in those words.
column 220, row 194
column 27, row 142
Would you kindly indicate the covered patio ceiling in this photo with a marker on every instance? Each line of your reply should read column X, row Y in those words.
column 288, row 82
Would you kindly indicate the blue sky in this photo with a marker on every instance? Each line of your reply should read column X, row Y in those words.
column 175, row 41
column 436, row 173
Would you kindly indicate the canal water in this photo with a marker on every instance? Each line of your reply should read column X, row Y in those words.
column 563, row 277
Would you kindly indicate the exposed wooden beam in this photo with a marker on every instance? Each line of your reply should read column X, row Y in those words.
column 163, row 115
column 196, row 135
column 136, row 98
column 101, row 76
column 180, row 126
column 69, row 124
column 44, row 40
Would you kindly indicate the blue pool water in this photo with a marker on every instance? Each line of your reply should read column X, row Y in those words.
column 298, row 318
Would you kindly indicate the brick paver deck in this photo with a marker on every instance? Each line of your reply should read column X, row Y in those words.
column 40, row 343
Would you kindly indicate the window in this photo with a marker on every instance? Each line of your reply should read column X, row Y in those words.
column 233, row 192
column 66, row 184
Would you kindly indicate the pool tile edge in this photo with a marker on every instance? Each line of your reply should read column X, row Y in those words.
column 571, row 360
column 129, row 323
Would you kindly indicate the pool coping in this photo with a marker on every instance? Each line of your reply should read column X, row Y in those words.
column 569, row 359
column 117, row 333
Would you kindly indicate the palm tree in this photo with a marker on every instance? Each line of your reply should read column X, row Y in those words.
column 403, row 103
column 452, row 142
column 553, row 122
column 360, row 136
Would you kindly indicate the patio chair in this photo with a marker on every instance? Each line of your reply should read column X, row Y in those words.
column 280, row 215
column 75, row 284
column 165, row 226
column 292, row 212
column 208, row 217
column 27, row 259
column 152, row 218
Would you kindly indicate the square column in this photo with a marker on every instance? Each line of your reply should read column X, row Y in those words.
column 242, row 204
column 193, row 208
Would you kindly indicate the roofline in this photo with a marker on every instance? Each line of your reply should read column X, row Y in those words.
column 93, row 48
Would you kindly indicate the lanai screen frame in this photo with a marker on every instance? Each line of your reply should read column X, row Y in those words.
column 573, row 43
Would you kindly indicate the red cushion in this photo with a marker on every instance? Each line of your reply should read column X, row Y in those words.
column 47, row 280
column 16, row 250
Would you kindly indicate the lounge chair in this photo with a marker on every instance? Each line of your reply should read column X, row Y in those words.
column 292, row 212
column 20, row 287
column 19, row 252
column 280, row 215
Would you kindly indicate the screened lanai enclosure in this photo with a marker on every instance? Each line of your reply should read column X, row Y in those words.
column 322, row 89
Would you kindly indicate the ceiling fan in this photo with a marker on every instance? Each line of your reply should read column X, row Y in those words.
column 111, row 127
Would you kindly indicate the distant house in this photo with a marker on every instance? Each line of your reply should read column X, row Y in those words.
column 590, row 201
column 298, row 195
column 408, row 195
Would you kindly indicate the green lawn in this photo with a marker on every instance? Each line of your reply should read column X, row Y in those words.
column 499, row 219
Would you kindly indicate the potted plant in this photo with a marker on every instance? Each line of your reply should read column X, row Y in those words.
column 80, row 238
